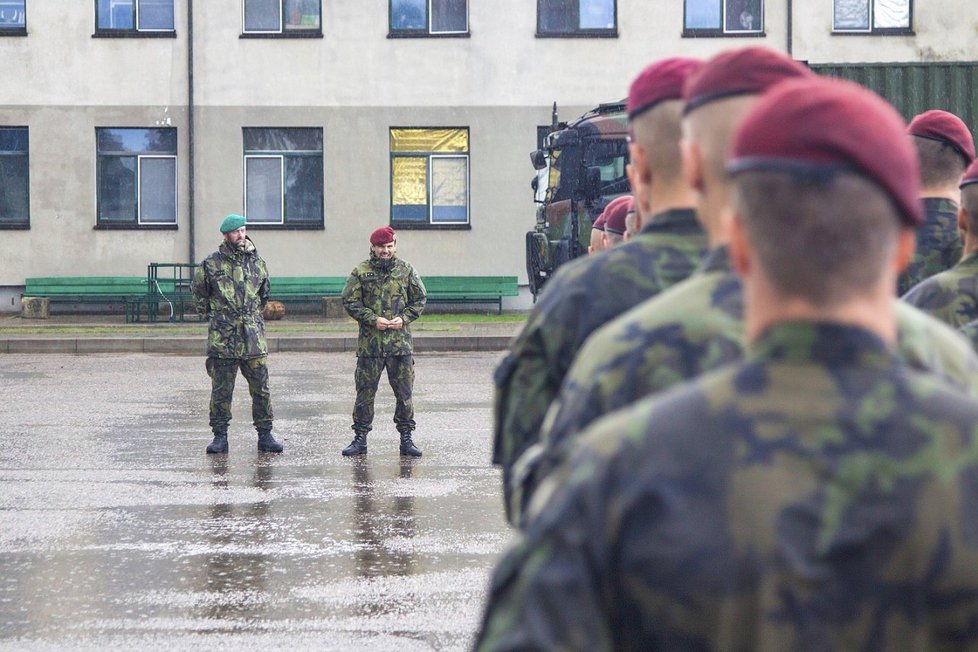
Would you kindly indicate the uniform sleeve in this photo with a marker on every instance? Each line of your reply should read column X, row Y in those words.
column 353, row 301
column 200, row 288
column 264, row 288
column 417, row 298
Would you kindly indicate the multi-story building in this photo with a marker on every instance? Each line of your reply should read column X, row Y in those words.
column 130, row 128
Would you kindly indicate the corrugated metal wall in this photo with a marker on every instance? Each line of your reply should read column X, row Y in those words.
column 917, row 87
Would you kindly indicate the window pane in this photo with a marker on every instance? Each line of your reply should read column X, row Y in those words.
column 283, row 140
column 892, row 14
column 702, row 14
column 156, row 14
column 263, row 184
column 12, row 14
column 557, row 16
column 430, row 140
column 14, row 188
column 137, row 141
column 410, row 188
column 117, row 188
column 116, row 14
column 449, row 189
column 304, row 189
column 302, row 14
column 851, row 14
column 13, row 139
column 157, row 190
column 597, row 14
column 409, row 14
column 263, row 15
column 743, row 15
column 449, row 16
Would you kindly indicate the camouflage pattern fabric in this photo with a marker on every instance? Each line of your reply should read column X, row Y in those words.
column 230, row 288
column 951, row 296
column 970, row 332
column 938, row 244
column 400, row 374
column 388, row 289
column 223, row 372
column 583, row 295
column 818, row 496
column 694, row 327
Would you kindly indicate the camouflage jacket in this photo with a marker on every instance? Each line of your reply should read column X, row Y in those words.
column 951, row 296
column 938, row 244
column 817, row 496
column 378, row 289
column 583, row 295
column 970, row 332
column 231, row 288
column 694, row 327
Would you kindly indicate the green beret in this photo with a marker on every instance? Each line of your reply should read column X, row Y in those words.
column 232, row 223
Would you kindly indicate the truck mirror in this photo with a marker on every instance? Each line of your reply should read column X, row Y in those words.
column 592, row 182
column 535, row 183
column 539, row 159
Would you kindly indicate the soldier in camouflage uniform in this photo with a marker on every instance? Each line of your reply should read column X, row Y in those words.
column 230, row 288
column 384, row 294
column 819, row 495
column 945, row 148
column 588, row 292
column 952, row 295
column 697, row 325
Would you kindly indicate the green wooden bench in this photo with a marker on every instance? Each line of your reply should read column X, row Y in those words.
column 86, row 289
column 304, row 288
column 470, row 289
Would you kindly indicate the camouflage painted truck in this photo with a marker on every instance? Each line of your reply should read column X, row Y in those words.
column 580, row 167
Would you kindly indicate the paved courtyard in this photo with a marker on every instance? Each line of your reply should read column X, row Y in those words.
column 118, row 532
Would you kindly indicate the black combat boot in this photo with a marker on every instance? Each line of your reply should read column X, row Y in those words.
column 267, row 443
column 407, row 446
column 358, row 446
column 220, row 443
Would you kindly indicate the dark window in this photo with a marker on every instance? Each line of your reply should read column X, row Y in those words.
column 133, row 16
column 577, row 18
column 137, row 177
column 288, row 17
column 13, row 17
column 14, row 178
column 430, row 177
column 720, row 17
column 872, row 16
column 284, row 176
column 426, row 17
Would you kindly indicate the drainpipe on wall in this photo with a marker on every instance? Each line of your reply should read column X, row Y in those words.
column 190, row 128
column 788, row 38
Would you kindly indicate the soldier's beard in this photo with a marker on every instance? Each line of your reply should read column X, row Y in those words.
column 381, row 264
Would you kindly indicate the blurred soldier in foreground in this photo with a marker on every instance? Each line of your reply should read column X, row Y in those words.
column 952, row 295
column 384, row 294
column 580, row 298
column 818, row 495
column 945, row 148
column 230, row 288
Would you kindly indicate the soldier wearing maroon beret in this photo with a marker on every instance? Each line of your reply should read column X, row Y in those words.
column 945, row 148
column 614, row 227
column 597, row 235
column 819, row 494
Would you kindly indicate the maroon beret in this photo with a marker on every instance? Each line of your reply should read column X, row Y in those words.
column 660, row 81
column 747, row 71
column 600, row 222
column 615, row 212
column 821, row 125
column 382, row 236
column 970, row 175
column 946, row 128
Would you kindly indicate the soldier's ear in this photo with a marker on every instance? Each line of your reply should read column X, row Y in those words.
column 963, row 220
column 906, row 245
column 692, row 164
column 740, row 251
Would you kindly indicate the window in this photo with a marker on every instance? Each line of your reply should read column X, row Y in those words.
column 283, row 17
column 14, row 179
column 429, row 17
column 13, row 17
column 872, row 16
column 430, row 177
column 577, row 18
column 133, row 16
column 284, row 177
column 723, row 17
column 137, row 177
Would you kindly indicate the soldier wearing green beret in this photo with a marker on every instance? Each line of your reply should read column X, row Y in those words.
column 230, row 288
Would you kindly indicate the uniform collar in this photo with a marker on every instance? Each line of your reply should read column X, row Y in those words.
column 675, row 219
column 829, row 343
column 716, row 259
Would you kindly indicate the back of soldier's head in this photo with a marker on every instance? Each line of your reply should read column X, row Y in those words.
column 824, row 183
column 945, row 147
column 969, row 197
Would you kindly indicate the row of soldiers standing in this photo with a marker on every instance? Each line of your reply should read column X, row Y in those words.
column 728, row 432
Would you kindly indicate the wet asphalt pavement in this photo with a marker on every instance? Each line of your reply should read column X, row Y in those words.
column 117, row 531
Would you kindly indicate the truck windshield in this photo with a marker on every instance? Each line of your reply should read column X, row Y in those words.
column 611, row 157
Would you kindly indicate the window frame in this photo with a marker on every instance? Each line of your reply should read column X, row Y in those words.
column 722, row 31
column 429, row 225
column 25, row 224
column 284, row 224
column 282, row 31
column 135, row 31
column 427, row 32
column 17, row 30
column 138, row 223
column 579, row 32
column 876, row 31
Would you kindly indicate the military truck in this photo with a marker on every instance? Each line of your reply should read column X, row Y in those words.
column 580, row 168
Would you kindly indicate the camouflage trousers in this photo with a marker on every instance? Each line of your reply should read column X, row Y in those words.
column 223, row 372
column 400, row 374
